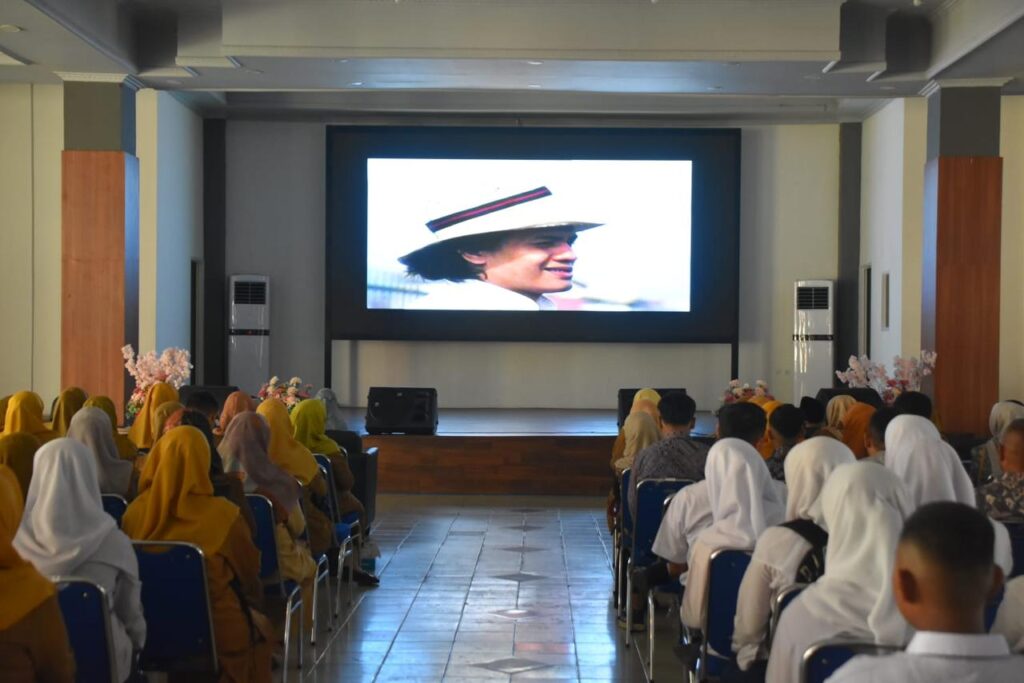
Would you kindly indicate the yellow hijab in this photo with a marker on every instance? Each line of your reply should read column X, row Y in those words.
column 178, row 504
column 836, row 409
column 25, row 414
column 18, row 453
column 143, row 432
column 22, row 588
column 125, row 448
column 67, row 404
column 310, row 420
column 767, row 446
column 285, row 451
column 3, row 409
column 646, row 401
column 162, row 414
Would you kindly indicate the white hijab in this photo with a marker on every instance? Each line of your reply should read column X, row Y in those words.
column 64, row 524
column 91, row 426
column 335, row 418
column 808, row 466
column 744, row 501
column 1003, row 413
column 928, row 466
column 864, row 507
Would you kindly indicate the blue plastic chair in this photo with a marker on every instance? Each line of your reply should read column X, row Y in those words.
column 621, row 539
column 725, row 573
column 785, row 597
column 176, row 605
column 1016, row 530
column 823, row 659
column 114, row 505
column 345, row 531
column 83, row 604
column 650, row 507
column 273, row 583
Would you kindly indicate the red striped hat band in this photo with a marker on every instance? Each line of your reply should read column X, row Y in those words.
column 497, row 205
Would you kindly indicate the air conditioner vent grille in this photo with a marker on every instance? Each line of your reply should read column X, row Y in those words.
column 250, row 292
column 812, row 298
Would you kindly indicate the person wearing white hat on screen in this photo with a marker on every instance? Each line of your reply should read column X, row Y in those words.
column 504, row 255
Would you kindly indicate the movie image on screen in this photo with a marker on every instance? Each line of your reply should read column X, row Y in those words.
column 528, row 234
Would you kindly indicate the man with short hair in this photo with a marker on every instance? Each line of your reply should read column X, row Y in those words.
column 813, row 411
column 913, row 403
column 676, row 456
column 786, row 426
column 874, row 437
column 205, row 403
column 944, row 577
column 1003, row 497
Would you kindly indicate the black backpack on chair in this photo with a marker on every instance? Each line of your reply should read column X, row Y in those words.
column 813, row 565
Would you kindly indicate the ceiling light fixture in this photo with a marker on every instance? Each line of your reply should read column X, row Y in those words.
column 534, row 62
column 356, row 84
column 533, row 85
column 10, row 28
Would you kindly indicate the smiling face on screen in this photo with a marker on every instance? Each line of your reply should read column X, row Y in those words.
column 529, row 263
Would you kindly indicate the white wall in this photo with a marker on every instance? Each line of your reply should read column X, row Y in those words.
column 1011, row 301
column 892, row 207
column 31, row 140
column 275, row 226
column 169, row 144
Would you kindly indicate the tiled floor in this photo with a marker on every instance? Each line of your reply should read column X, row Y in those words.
column 484, row 589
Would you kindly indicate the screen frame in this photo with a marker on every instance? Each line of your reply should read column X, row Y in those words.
column 714, row 287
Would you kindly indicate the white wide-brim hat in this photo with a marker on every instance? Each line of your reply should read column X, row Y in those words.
column 535, row 209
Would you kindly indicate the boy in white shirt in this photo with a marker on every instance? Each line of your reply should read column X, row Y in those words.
column 944, row 576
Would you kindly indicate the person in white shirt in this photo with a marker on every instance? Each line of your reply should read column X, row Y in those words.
column 863, row 507
column 944, row 577
column 1010, row 617
column 931, row 471
column 65, row 532
column 506, row 255
column 784, row 554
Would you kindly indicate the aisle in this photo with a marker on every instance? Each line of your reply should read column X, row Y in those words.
column 485, row 589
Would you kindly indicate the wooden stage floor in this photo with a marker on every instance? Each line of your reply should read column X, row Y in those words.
column 500, row 452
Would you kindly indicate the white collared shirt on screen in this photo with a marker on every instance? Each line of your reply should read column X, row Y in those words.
column 933, row 656
column 477, row 295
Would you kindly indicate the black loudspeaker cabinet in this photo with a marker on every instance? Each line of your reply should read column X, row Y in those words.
column 626, row 401
column 401, row 410
column 862, row 394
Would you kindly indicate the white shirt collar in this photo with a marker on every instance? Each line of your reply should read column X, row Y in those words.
column 939, row 644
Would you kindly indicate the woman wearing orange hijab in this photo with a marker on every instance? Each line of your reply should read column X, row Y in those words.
column 178, row 505
column 33, row 641
column 767, row 446
column 70, row 401
column 25, row 414
column 237, row 402
column 855, row 427
column 144, row 431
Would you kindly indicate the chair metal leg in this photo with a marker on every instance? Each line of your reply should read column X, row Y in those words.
column 322, row 574
column 629, row 599
column 287, row 641
column 302, row 620
column 650, row 636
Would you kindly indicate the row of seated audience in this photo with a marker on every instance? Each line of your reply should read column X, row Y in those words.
column 186, row 471
column 835, row 497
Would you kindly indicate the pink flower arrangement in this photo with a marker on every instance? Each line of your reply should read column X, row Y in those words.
column 738, row 393
column 172, row 366
column 290, row 393
column 907, row 376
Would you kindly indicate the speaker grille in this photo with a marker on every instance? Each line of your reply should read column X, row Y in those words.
column 250, row 292
column 812, row 298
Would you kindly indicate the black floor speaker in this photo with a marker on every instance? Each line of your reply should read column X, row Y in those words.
column 401, row 410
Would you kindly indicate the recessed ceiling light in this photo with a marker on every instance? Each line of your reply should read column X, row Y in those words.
column 342, row 61
column 10, row 28
column 356, row 83
column 534, row 62
column 533, row 85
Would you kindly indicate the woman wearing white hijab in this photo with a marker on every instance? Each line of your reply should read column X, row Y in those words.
column 743, row 502
column 65, row 532
column 91, row 426
column 931, row 471
column 863, row 506
column 780, row 550
column 335, row 418
column 1003, row 413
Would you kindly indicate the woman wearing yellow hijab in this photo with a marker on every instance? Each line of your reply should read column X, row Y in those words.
column 144, row 430
column 179, row 505
column 644, row 401
column 33, row 641
column 25, row 414
column 64, row 408
column 18, row 452
column 296, row 460
column 310, row 420
column 767, row 446
column 835, row 411
column 3, row 409
column 125, row 448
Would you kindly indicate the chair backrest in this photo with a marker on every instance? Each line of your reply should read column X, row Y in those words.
column 625, row 518
column 176, row 605
column 1016, row 530
column 266, row 542
column 782, row 601
column 332, row 494
column 650, row 504
column 823, row 659
column 725, row 573
column 83, row 604
column 114, row 505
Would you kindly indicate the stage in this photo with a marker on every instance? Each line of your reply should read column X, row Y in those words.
column 520, row 451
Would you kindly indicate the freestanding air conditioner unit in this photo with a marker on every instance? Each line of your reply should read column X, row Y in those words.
column 813, row 330
column 249, row 332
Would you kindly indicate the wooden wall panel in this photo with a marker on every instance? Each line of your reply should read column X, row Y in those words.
column 961, row 312
column 99, row 203
column 536, row 465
